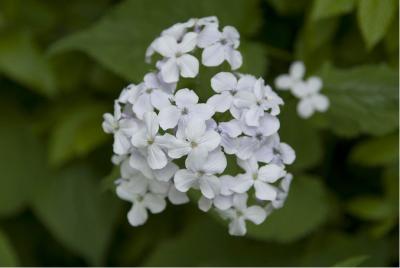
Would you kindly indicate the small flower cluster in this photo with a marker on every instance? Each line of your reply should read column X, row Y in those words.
column 308, row 91
column 156, row 125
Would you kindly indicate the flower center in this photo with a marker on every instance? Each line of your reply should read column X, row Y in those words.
column 224, row 42
column 150, row 141
column 149, row 90
column 185, row 111
column 193, row 144
column 255, row 176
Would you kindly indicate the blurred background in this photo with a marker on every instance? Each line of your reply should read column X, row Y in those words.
column 63, row 62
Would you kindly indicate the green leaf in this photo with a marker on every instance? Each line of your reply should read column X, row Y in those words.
column 7, row 255
column 77, row 132
column 376, row 151
column 72, row 206
column 302, row 136
column 363, row 100
column 374, row 18
column 305, row 210
column 22, row 61
column 22, row 161
column 352, row 261
column 120, row 39
column 370, row 208
column 329, row 8
column 289, row 7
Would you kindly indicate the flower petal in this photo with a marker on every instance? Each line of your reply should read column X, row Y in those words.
column 208, row 36
column 234, row 58
column 297, row 70
column 166, row 173
column 242, row 183
column 213, row 55
column 210, row 140
column 188, row 43
column 137, row 215
column 160, row 99
column 305, row 108
column 185, row 97
column 142, row 105
column 204, row 204
column 271, row 173
column 139, row 139
column 155, row 203
column 176, row 197
column 121, row 144
column 284, row 82
column 237, row 227
column 220, row 102
column 156, row 157
column 170, row 71
column 188, row 65
column 209, row 186
column 223, row 81
column 264, row 191
column 166, row 46
column 216, row 162
column 184, row 180
column 255, row 214
column 321, row 102
column 169, row 117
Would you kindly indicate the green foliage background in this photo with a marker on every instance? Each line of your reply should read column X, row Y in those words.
column 63, row 62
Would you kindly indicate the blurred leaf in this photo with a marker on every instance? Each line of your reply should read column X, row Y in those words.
column 108, row 182
column 374, row 18
column 77, row 132
column 329, row 8
column 120, row 39
column 391, row 184
column 7, row 255
column 305, row 210
column 302, row 136
column 254, row 58
column 73, row 208
column 352, row 262
column 328, row 248
column 21, row 60
column 21, row 161
column 370, row 208
column 377, row 151
column 364, row 99
column 289, row 7
column 391, row 42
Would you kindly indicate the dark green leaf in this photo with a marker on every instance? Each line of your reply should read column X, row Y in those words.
column 370, row 208
column 7, row 255
column 329, row 8
column 352, row 262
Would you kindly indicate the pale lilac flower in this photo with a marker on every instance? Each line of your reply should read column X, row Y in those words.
column 290, row 80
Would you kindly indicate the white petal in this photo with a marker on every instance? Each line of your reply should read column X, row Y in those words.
column 240, row 201
column 222, row 202
column 271, row 173
column 237, row 227
column 300, row 89
column 247, row 147
column 229, row 144
column 166, row 46
column 287, row 153
column 196, row 159
column 142, row 105
column 231, row 128
column 154, row 203
column 250, row 165
column 216, row 162
column 246, row 82
column 253, row 116
column 121, row 144
column 160, row 99
column 176, row 197
column 137, row 215
column 305, row 108
column 223, row 81
column 264, row 191
column 195, row 129
column 184, row 180
column 208, row 36
column 158, row 187
column 209, row 186
column 139, row 162
column 284, row 82
column 210, row 140
column 202, row 110
column 297, row 70
column 264, row 153
column 213, row 55
column 170, row 71
column 220, row 102
column 156, row 157
column 188, row 43
column 321, row 102
column 314, row 84
column 234, row 58
column 204, row 204
column 152, row 125
column 188, row 65
column 242, row 183
column 186, row 97
column 231, row 34
column 269, row 124
column 139, row 139
column 166, row 173
column 255, row 214
column 169, row 117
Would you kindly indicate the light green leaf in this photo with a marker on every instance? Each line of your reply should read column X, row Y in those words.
column 363, row 99
column 72, row 206
column 329, row 8
column 352, row 261
column 306, row 208
column 7, row 255
column 21, row 161
column 374, row 18
column 377, row 151
column 22, row 61
column 77, row 132
column 370, row 208
column 120, row 39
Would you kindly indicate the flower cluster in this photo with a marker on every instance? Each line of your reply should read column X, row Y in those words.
column 158, row 126
column 308, row 91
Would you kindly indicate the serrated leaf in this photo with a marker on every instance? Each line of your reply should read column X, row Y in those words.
column 374, row 18
column 329, row 8
column 306, row 208
column 363, row 100
column 77, row 132
column 8, row 256
column 72, row 206
column 22, row 61
column 377, row 151
column 120, row 39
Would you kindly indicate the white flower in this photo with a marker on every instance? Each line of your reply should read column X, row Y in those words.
column 195, row 141
column 227, row 85
column 229, row 132
column 187, row 107
column 311, row 99
column 219, row 46
column 201, row 174
column 260, row 178
column 282, row 191
column 147, row 139
column 240, row 213
column 121, row 128
column 257, row 102
column 138, row 214
column 289, row 81
column 177, row 61
column 223, row 200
